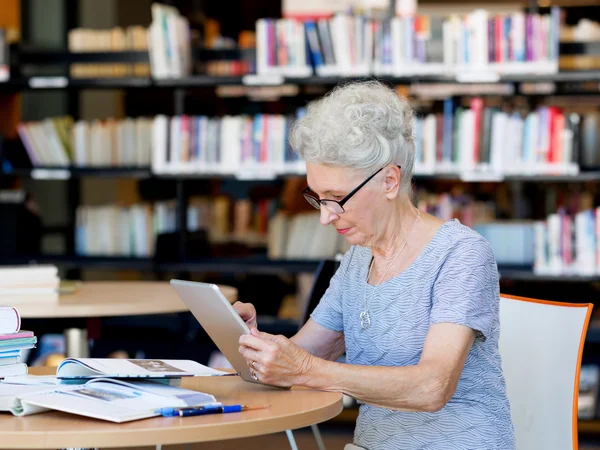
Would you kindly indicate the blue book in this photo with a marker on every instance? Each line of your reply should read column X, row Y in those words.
column 507, row 40
column 447, row 136
column 312, row 37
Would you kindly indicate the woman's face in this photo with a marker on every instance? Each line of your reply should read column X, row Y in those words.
column 361, row 220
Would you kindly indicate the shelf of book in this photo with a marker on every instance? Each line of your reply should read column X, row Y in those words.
column 258, row 265
column 529, row 275
column 83, row 262
column 63, row 82
column 53, row 173
column 50, row 173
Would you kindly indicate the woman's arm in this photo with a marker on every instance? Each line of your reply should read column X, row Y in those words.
column 426, row 386
column 312, row 337
column 320, row 341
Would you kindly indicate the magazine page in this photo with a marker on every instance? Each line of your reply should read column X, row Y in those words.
column 134, row 368
column 188, row 396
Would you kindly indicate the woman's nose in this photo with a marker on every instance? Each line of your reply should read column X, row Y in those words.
column 327, row 216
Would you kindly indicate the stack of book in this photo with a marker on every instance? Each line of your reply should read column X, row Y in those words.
column 12, row 341
column 39, row 283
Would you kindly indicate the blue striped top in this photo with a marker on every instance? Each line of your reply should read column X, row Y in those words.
column 454, row 279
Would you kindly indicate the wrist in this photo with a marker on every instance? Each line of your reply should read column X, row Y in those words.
column 313, row 375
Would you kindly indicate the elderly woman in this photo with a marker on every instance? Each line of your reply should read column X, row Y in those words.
column 414, row 303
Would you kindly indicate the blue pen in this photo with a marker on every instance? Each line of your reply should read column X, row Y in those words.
column 210, row 409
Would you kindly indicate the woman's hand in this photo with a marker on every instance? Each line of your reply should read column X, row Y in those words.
column 247, row 312
column 276, row 360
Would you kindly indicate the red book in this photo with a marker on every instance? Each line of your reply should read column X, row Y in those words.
column 18, row 335
column 554, row 134
column 477, row 108
column 499, row 21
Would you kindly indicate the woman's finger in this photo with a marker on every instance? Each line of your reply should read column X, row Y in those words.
column 254, row 342
column 250, row 354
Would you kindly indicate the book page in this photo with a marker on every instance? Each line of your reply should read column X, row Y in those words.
column 188, row 396
column 136, row 368
column 105, row 401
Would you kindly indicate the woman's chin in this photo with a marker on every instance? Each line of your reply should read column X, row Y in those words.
column 353, row 239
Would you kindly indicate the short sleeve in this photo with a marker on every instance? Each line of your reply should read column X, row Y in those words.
column 466, row 291
column 329, row 311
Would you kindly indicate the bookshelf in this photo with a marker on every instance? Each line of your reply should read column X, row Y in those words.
column 179, row 86
column 18, row 83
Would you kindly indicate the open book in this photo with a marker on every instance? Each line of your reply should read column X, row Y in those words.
column 87, row 368
column 106, row 399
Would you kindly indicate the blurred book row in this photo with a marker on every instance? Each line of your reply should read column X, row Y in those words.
column 491, row 140
column 478, row 140
column 348, row 45
column 133, row 38
column 134, row 230
column 60, row 142
column 227, row 145
column 568, row 244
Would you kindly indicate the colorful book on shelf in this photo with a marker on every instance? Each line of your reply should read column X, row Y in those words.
column 102, row 398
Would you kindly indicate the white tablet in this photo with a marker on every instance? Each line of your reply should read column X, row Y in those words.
column 218, row 318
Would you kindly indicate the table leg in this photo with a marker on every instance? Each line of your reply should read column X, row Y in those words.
column 76, row 343
column 290, row 437
column 318, row 437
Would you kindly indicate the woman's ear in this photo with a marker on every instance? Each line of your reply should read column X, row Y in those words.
column 392, row 182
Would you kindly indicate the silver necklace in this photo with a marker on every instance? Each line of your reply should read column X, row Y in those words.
column 365, row 319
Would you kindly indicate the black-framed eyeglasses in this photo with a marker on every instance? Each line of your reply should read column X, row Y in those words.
column 336, row 207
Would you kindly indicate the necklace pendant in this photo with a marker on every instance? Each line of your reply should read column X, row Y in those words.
column 365, row 320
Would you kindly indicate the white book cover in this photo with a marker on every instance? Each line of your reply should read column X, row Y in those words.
column 555, row 262
column 159, row 143
column 175, row 144
column 262, row 47
column 467, row 136
column 129, row 143
column 81, row 143
column 499, row 135
column 429, row 141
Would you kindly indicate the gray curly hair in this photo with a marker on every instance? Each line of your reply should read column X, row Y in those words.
column 360, row 125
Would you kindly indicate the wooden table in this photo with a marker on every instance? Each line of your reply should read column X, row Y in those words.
column 113, row 298
column 108, row 299
column 290, row 409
